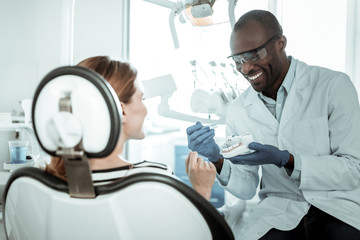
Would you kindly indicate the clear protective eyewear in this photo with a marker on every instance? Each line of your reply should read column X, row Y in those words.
column 253, row 55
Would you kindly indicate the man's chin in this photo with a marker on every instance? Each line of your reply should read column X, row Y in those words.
column 257, row 88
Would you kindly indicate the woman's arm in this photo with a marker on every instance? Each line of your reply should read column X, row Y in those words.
column 201, row 174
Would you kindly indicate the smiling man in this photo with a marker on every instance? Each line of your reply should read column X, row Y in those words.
column 305, row 121
column 251, row 42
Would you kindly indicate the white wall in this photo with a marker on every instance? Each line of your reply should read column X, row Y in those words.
column 98, row 29
column 316, row 34
column 353, row 40
column 30, row 45
column 34, row 40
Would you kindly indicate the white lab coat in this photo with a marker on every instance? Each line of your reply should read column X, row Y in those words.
column 320, row 125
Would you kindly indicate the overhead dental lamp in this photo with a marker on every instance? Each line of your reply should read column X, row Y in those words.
column 203, row 8
column 199, row 13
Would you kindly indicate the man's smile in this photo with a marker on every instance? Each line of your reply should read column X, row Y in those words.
column 253, row 77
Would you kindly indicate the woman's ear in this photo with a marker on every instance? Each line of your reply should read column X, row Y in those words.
column 123, row 108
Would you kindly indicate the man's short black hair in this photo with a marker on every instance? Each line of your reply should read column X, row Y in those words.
column 265, row 18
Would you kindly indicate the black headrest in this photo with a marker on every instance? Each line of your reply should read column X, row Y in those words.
column 95, row 116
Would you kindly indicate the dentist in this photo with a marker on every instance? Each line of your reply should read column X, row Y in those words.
column 305, row 121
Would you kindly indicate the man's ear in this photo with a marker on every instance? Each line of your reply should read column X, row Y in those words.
column 283, row 42
column 123, row 108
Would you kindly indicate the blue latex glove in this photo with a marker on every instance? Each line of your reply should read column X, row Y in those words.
column 201, row 140
column 264, row 154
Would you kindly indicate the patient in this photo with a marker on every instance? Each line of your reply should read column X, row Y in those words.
column 123, row 78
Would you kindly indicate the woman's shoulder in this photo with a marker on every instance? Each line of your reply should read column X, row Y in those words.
column 150, row 164
column 109, row 175
column 151, row 167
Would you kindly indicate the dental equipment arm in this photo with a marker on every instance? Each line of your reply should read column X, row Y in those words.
column 231, row 12
column 164, row 86
column 172, row 28
column 199, row 11
column 165, row 111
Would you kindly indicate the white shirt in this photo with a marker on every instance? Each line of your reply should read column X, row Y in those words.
column 320, row 125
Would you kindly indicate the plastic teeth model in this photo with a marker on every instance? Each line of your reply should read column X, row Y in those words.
column 236, row 145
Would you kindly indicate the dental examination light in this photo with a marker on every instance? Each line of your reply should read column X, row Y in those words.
column 202, row 102
column 199, row 12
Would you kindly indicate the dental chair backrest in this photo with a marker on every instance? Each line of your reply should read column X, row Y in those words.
column 76, row 116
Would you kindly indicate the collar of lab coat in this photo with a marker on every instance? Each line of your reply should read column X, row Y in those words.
column 286, row 84
column 293, row 102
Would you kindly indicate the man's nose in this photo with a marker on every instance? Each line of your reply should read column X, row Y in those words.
column 246, row 67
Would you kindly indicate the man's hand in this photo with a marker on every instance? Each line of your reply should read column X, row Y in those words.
column 201, row 140
column 201, row 174
column 264, row 154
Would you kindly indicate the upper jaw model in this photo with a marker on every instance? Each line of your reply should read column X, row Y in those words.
column 236, row 145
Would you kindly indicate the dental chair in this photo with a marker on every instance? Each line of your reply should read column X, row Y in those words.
column 76, row 116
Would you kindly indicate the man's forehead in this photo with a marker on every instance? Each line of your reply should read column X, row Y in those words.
column 251, row 36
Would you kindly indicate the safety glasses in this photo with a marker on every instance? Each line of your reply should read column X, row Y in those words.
column 253, row 55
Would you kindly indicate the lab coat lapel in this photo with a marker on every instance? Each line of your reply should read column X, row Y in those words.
column 299, row 92
column 258, row 111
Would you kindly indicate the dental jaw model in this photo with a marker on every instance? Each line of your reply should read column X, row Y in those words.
column 236, row 145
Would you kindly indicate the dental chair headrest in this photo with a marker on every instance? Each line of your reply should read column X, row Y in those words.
column 94, row 118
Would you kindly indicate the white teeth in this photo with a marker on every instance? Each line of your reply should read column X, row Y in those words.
column 228, row 149
column 236, row 145
column 255, row 76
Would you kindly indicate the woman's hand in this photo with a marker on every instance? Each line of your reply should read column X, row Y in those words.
column 201, row 174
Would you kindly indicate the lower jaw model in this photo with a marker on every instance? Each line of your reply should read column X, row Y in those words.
column 236, row 145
